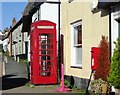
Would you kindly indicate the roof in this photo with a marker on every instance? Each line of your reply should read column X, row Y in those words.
column 107, row 3
column 27, row 8
column 30, row 9
column 32, row 6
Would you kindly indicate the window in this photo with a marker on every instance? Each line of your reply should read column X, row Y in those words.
column 20, row 35
column 20, row 50
column 76, row 44
column 16, row 35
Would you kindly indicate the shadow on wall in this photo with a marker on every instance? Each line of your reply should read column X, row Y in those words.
column 8, row 82
column 104, row 12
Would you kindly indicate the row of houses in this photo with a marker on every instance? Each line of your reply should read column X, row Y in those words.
column 82, row 26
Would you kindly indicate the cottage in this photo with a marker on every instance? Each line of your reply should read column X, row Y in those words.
column 82, row 26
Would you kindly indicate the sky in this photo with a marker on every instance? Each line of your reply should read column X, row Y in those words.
column 10, row 10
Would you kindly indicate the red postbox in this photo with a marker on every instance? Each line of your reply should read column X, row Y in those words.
column 94, row 57
column 43, row 53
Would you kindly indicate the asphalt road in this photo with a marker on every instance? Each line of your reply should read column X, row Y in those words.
column 15, row 75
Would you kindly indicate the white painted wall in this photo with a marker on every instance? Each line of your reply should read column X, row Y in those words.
column 1, row 41
column 1, row 33
column 5, row 44
column 29, row 48
column 35, row 17
column 49, row 12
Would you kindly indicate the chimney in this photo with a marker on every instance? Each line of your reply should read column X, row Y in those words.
column 13, row 22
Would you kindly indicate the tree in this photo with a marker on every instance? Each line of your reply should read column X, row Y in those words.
column 114, row 76
column 103, row 68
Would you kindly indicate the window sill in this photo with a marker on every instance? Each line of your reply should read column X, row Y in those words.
column 78, row 45
column 78, row 67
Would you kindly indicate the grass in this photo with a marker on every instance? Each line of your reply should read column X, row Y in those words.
column 29, row 85
column 24, row 61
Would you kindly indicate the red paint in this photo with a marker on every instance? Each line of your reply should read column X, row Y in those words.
column 94, row 57
column 43, row 50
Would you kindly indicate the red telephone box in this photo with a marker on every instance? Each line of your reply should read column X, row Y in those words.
column 43, row 52
column 94, row 57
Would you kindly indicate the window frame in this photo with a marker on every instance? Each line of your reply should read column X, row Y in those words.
column 75, row 46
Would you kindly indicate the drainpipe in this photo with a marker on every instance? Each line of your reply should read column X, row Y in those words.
column 38, row 13
column 110, row 33
column 59, row 52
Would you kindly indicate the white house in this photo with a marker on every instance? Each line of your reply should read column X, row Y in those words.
column 4, row 42
column 1, row 34
column 46, row 10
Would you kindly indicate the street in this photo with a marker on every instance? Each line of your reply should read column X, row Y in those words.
column 16, row 77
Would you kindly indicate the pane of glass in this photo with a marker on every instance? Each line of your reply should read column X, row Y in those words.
column 78, row 56
column 45, row 58
column 75, row 35
column 46, row 36
column 44, row 46
column 79, row 35
column 45, row 68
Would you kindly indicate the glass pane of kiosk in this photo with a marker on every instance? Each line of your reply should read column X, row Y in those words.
column 45, row 54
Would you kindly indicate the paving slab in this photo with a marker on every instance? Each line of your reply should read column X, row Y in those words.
column 36, row 89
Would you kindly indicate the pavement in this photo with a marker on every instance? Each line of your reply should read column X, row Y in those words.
column 15, row 79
